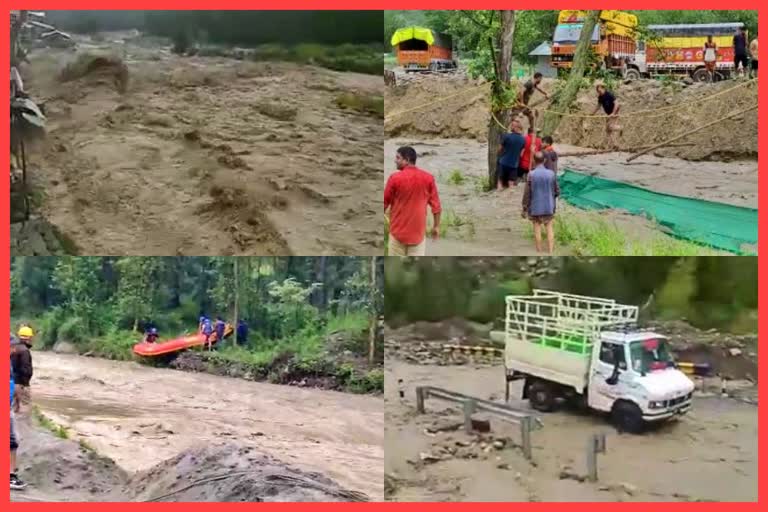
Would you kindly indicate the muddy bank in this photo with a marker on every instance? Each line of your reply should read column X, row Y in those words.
column 63, row 470
column 141, row 417
column 465, row 115
column 710, row 455
column 353, row 375
column 481, row 223
column 205, row 155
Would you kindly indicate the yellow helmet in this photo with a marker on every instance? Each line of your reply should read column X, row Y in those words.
column 26, row 333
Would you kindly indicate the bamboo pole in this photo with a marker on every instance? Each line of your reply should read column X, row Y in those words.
column 690, row 132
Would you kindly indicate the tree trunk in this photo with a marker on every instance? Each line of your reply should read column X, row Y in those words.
column 237, row 299
column 374, row 319
column 580, row 60
column 503, row 65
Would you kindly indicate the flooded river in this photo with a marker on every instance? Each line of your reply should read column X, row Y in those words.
column 140, row 416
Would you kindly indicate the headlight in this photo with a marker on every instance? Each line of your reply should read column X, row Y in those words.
column 656, row 405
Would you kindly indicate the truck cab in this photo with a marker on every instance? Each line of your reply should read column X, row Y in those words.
column 589, row 351
column 635, row 373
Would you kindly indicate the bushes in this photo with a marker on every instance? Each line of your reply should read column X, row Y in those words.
column 354, row 58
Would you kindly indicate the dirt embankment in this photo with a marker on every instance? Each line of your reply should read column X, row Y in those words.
column 163, row 155
column 168, row 428
column 64, row 470
column 465, row 115
column 709, row 455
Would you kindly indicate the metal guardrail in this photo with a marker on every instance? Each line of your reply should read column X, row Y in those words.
column 527, row 421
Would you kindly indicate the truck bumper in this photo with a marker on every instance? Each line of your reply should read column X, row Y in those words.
column 666, row 414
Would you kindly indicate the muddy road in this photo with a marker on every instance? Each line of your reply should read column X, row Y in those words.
column 489, row 223
column 205, row 155
column 141, row 417
column 710, row 455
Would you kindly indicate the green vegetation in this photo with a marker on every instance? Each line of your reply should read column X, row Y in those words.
column 707, row 291
column 599, row 237
column 456, row 178
column 48, row 424
column 338, row 40
column 373, row 105
column 454, row 224
column 358, row 58
column 311, row 313
column 471, row 29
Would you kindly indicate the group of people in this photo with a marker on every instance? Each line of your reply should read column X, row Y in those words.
column 744, row 55
column 206, row 327
column 21, row 376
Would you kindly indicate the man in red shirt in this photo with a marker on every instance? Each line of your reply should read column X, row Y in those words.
column 525, row 156
column 406, row 196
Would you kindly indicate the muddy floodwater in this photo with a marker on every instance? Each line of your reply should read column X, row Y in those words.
column 489, row 223
column 205, row 155
column 140, row 416
column 709, row 455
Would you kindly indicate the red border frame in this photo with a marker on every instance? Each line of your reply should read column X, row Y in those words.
column 371, row 5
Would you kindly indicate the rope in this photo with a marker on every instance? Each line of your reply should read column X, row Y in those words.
column 657, row 112
column 662, row 111
column 439, row 100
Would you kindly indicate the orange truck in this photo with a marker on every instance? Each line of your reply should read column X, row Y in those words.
column 679, row 50
column 423, row 49
column 662, row 50
column 614, row 38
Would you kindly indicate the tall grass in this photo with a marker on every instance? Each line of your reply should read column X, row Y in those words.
column 599, row 237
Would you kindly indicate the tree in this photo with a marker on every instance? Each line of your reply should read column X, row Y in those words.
column 568, row 94
column 374, row 315
column 78, row 280
column 499, row 94
column 137, row 288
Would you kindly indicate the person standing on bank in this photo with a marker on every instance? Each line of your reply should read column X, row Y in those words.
column 406, row 196
column 510, row 151
column 740, row 59
column 611, row 107
column 540, row 201
column 21, row 362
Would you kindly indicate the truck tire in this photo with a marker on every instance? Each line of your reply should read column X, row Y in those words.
column 632, row 74
column 700, row 75
column 627, row 417
column 541, row 395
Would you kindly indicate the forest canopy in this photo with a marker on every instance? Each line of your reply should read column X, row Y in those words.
column 707, row 292
column 308, row 309
column 250, row 28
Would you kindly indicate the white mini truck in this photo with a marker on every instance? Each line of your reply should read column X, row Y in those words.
column 588, row 351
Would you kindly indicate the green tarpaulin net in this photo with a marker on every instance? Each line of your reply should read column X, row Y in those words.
column 717, row 225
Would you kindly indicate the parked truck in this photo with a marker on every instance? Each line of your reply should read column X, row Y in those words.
column 614, row 38
column 679, row 50
column 588, row 351
column 621, row 47
column 423, row 49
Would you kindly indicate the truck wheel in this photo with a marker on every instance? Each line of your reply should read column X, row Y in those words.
column 700, row 75
column 632, row 74
column 542, row 396
column 627, row 417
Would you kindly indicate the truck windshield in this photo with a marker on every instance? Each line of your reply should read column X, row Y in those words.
column 570, row 33
column 649, row 355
